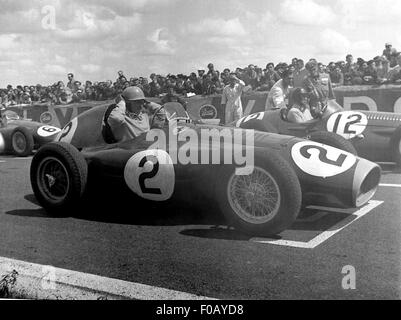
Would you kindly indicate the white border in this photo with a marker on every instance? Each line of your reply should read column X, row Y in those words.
column 324, row 236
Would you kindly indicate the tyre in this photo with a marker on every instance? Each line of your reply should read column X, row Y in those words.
column 22, row 142
column 263, row 203
column 58, row 177
column 333, row 140
column 395, row 146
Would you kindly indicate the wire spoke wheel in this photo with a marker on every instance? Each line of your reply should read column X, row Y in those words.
column 255, row 198
column 53, row 180
column 19, row 142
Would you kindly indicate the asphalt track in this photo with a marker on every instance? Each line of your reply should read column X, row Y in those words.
column 183, row 249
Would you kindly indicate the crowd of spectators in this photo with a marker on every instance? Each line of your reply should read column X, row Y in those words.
column 382, row 69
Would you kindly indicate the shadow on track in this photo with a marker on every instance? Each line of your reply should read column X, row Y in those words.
column 120, row 210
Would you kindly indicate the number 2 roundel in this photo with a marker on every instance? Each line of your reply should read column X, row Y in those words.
column 150, row 174
column 320, row 160
column 347, row 124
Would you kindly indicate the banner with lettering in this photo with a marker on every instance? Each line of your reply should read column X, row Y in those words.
column 374, row 98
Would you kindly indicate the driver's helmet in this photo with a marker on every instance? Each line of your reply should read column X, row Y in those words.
column 133, row 94
column 299, row 95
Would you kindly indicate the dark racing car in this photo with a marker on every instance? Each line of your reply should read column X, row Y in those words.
column 286, row 172
column 20, row 137
column 375, row 135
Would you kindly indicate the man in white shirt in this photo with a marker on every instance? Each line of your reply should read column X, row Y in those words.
column 231, row 99
column 278, row 97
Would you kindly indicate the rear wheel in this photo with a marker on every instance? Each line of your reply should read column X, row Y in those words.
column 264, row 203
column 333, row 140
column 22, row 142
column 58, row 177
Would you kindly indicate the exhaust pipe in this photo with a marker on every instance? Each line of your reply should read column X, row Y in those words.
column 366, row 181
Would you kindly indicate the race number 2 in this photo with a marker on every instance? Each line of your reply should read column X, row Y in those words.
column 150, row 174
column 347, row 124
column 320, row 160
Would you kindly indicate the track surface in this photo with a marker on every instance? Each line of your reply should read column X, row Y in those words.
column 180, row 249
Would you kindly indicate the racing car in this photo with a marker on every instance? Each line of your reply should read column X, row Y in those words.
column 264, row 198
column 20, row 137
column 375, row 135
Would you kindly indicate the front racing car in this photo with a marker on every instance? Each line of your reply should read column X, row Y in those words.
column 260, row 195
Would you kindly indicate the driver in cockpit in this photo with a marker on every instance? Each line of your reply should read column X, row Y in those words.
column 300, row 110
column 132, row 116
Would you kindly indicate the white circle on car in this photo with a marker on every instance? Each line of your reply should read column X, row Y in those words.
column 347, row 124
column 320, row 160
column 47, row 131
column 68, row 131
column 150, row 174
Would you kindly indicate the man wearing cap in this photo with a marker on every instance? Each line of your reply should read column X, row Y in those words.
column 278, row 96
column 231, row 99
column 319, row 92
column 389, row 53
column 394, row 75
column 132, row 116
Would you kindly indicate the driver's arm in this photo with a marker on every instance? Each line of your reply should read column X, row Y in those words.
column 278, row 98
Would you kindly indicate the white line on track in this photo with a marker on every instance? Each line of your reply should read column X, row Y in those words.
column 390, row 185
column 35, row 281
column 324, row 236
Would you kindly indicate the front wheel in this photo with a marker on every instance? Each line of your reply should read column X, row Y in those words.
column 333, row 140
column 22, row 142
column 264, row 203
column 58, row 177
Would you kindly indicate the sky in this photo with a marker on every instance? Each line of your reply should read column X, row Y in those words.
column 43, row 40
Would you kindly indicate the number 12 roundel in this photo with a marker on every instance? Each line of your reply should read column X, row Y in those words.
column 150, row 174
column 347, row 124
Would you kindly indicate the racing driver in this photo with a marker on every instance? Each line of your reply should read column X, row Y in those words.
column 132, row 116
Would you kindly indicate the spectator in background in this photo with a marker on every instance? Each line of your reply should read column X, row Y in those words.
column 382, row 66
column 294, row 62
column 280, row 68
column 270, row 77
column 337, row 77
column 300, row 74
column 231, row 99
column 172, row 96
column 369, row 75
column 323, row 75
column 225, row 76
column 250, row 77
column 155, row 88
column 395, row 72
column 279, row 94
column 121, row 78
column 389, row 52
column 319, row 91
column 210, row 68
column 71, row 83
